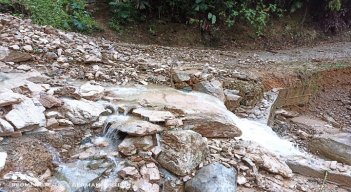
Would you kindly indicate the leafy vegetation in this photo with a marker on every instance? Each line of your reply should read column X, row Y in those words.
column 208, row 15
column 64, row 14
column 331, row 15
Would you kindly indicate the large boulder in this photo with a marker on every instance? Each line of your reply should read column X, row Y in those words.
column 250, row 91
column 213, row 87
column 82, row 111
column 182, row 151
column 202, row 113
column 336, row 147
column 16, row 56
column 215, row 126
column 213, row 177
column 27, row 115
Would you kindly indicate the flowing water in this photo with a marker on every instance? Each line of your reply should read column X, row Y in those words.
column 256, row 131
column 79, row 173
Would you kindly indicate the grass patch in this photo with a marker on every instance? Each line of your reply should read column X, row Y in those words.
column 63, row 14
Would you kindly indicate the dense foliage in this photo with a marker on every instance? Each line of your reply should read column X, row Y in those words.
column 208, row 15
column 332, row 15
column 65, row 14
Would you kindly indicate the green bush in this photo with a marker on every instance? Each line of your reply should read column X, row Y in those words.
column 64, row 14
column 206, row 13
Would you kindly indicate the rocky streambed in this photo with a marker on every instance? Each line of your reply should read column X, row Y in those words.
column 84, row 114
column 82, row 136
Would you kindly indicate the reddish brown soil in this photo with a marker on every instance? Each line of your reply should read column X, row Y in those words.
column 333, row 96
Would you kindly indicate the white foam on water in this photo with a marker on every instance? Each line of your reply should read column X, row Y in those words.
column 256, row 131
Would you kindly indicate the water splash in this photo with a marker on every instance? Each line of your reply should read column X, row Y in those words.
column 192, row 102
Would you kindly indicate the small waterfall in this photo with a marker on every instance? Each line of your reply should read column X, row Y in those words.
column 111, row 133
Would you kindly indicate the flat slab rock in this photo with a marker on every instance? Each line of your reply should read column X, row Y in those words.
column 213, row 87
column 91, row 92
column 27, row 115
column 182, row 151
column 317, row 168
column 50, row 101
column 335, row 147
column 135, row 127
column 203, row 113
column 214, row 126
column 82, row 111
column 10, row 98
column 154, row 115
column 213, row 177
column 268, row 161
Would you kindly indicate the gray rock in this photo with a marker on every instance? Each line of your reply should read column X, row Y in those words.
column 27, row 115
column 82, row 111
column 5, row 127
column 51, row 55
column 91, row 92
column 10, row 98
column 3, row 157
column 182, row 151
column 4, row 51
column 137, row 127
column 28, row 48
column 154, row 115
column 335, row 147
column 232, row 99
column 213, row 177
column 317, row 168
column 213, row 87
column 91, row 59
column 171, row 183
column 24, row 67
column 180, row 76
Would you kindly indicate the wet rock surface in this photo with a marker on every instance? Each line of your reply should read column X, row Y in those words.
column 27, row 115
column 82, row 111
column 336, row 147
column 182, row 151
column 213, row 177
